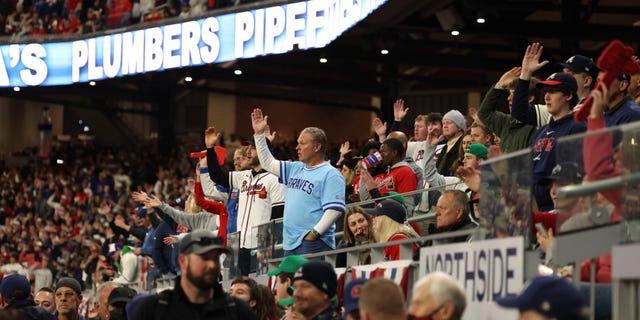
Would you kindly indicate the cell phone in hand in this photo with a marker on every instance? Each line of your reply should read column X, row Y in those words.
column 542, row 230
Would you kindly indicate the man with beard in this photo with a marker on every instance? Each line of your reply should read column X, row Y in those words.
column 261, row 196
column 197, row 293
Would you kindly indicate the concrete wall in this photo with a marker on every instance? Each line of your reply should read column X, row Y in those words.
column 19, row 123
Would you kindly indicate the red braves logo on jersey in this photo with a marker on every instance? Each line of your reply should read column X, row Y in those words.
column 387, row 182
column 544, row 144
column 257, row 188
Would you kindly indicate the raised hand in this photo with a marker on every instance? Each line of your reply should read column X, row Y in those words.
column 268, row 134
column 470, row 176
column 380, row 128
column 494, row 152
column 508, row 77
column 211, row 137
column 599, row 102
column 434, row 135
column 139, row 196
column 152, row 202
column 531, row 60
column 367, row 180
column 344, row 149
column 169, row 240
column 258, row 121
column 399, row 111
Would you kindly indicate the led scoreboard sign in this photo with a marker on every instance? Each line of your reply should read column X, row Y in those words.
column 246, row 34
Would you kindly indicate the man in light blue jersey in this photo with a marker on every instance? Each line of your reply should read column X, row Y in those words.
column 315, row 189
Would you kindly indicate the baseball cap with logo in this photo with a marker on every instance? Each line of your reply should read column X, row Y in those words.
column 559, row 78
column 567, row 173
column 15, row 287
column 320, row 274
column 579, row 63
column 201, row 241
column 390, row 208
column 551, row 296
column 352, row 294
column 290, row 264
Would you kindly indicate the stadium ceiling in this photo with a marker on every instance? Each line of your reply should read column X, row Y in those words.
column 423, row 55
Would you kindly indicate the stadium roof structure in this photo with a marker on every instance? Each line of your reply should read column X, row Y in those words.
column 422, row 54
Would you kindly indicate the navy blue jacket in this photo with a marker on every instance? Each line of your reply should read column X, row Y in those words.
column 544, row 155
column 625, row 112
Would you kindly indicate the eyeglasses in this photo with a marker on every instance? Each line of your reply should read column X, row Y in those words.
column 205, row 241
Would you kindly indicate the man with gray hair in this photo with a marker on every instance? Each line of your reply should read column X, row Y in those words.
column 453, row 127
column 101, row 304
column 315, row 189
column 437, row 296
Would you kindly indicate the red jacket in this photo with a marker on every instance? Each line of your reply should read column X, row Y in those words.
column 214, row 207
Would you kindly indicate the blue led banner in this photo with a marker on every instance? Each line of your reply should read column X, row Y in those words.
column 247, row 34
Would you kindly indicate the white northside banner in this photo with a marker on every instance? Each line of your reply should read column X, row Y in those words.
column 486, row 270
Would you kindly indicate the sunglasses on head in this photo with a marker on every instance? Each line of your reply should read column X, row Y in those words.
column 205, row 241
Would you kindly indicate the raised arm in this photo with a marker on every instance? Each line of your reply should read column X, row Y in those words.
column 216, row 173
column 521, row 110
column 399, row 112
column 259, row 124
column 497, row 96
column 598, row 165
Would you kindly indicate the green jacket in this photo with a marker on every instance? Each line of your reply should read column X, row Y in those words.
column 514, row 135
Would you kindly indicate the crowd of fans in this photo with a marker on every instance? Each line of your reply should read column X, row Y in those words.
column 106, row 215
column 33, row 19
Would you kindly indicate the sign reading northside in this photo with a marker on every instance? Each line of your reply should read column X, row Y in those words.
column 246, row 34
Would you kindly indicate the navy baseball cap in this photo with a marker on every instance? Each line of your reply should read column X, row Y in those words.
column 351, row 295
column 15, row 287
column 551, row 296
column 559, row 78
column 580, row 63
column 567, row 173
column 390, row 208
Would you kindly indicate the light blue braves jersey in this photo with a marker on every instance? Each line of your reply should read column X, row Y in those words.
column 310, row 191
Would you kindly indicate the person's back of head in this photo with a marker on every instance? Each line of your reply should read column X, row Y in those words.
column 549, row 298
column 400, row 136
column 267, row 308
column 381, row 298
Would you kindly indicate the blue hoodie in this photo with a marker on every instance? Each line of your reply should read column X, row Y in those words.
column 544, row 155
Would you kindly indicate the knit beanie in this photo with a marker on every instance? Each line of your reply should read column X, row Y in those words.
column 457, row 118
column 321, row 274
column 69, row 283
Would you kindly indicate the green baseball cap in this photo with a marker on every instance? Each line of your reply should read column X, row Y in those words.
column 479, row 150
column 289, row 264
column 285, row 302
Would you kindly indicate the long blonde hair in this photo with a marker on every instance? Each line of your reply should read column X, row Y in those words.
column 190, row 205
column 385, row 227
